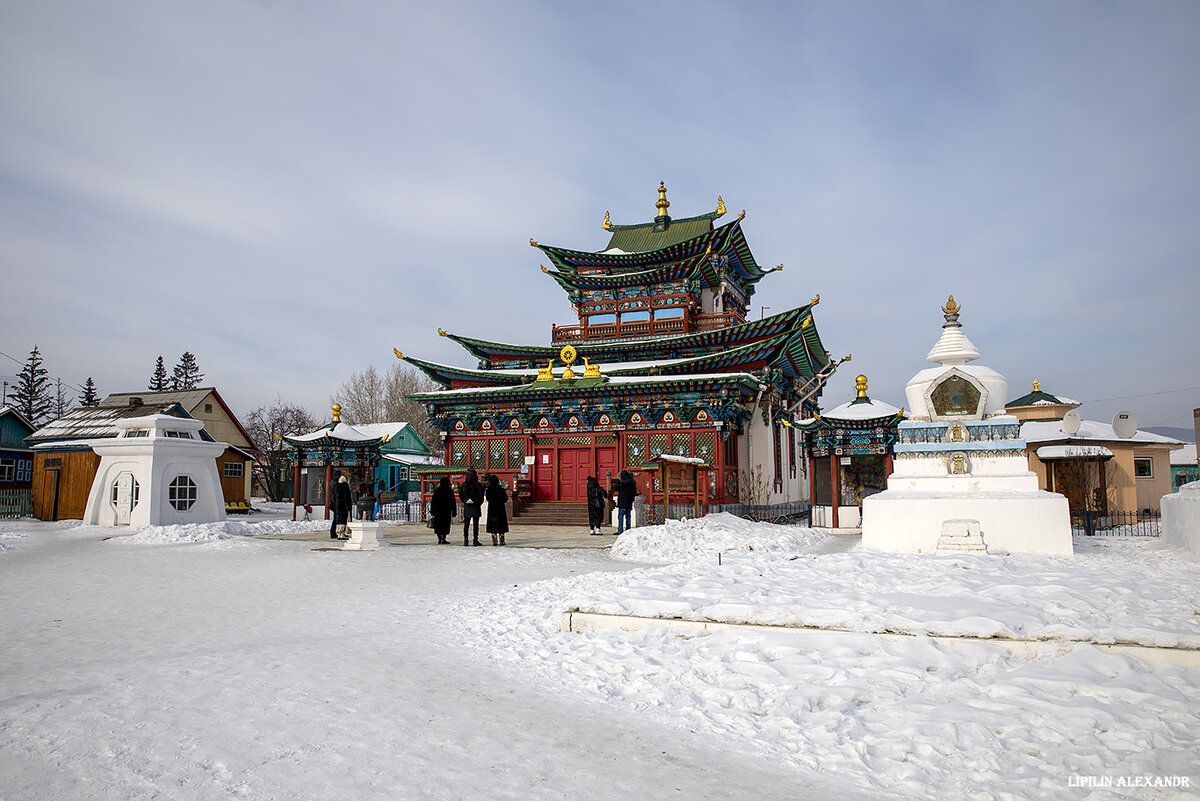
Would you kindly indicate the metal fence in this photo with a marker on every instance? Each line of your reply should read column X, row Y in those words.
column 783, row 513
column 16, row 503
column 1116, row 524
column 409, row 511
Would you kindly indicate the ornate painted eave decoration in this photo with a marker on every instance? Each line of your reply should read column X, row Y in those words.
column 697, row 344
column 597, row 386
column 446, row 374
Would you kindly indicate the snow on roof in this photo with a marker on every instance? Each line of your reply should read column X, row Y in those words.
column 670, row 457
column 612, row 379
column 1052, row 431
column 1185, row 455
column 365, row 432
column 1048, row 452
column 413, row 458
column 853, row 410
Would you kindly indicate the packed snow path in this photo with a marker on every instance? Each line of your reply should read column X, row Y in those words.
column 254, row 669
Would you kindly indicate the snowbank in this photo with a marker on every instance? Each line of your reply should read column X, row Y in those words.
column 211, row 532
column 704, row 538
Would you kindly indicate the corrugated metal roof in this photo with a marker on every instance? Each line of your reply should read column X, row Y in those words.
column 93, row 422
column 187, row 398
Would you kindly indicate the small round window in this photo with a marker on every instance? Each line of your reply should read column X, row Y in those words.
column 181, row 493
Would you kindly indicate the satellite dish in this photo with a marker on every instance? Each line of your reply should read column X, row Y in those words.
column 1071, row 422
column 1124, row 424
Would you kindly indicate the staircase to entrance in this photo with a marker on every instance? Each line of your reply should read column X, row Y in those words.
column 546, row 513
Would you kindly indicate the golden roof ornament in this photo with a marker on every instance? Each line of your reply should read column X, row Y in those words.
column 533, row 244
column 607, row 226
column 720, row 206
column 815, row 300
column 663, row 204
column 337, row 412
column 951, row 310
column 742, row 216
column 442, row 333
column 546, row 373
column 860, row 384
column 1037, row 387
column 590, row 370
column 399, row 355
column 567, row 354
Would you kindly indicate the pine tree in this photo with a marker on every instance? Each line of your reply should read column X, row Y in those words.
column 32, row 396
column 187, row 374
column 89, row 397
column 159, row 381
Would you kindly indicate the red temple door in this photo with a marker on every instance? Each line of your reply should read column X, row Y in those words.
column 573, row 466
column 544, row 474
column 606, row 466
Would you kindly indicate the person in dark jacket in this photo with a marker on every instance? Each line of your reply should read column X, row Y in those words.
column 441, row 509
column 626, row 491
column 596, row 501
column 471, row 494
column 340, row 503
column 497, row 515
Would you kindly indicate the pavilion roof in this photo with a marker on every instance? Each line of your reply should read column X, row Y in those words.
column 604, row 384
column 643, row 237
column 694, row 344
column 727, row 241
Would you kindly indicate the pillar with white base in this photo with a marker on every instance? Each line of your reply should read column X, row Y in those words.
column 364, row 535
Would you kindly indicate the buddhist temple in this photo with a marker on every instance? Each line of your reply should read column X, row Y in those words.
column 663, row 357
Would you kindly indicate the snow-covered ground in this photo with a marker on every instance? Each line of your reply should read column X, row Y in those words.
column 197, row 662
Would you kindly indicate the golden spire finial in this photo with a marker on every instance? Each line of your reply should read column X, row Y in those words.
column 663, row 204
column 1037, row 387
column 399, row 355
column 442, row 333
column 720, row 206
column 951, row 307
column 337, row 412
column 860, row 384
column 607, row 222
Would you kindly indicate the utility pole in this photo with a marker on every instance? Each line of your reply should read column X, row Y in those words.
column 762, row 310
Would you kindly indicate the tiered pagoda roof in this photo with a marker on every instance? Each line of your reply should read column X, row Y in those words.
column 680, row 346
column 731, row 357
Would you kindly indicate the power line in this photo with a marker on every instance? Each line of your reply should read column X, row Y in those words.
column 1144, row 395
column 51, row 377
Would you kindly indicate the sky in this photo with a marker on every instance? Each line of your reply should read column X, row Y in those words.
column 291, row 190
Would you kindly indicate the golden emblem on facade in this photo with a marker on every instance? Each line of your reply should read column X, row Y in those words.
column 568, row 355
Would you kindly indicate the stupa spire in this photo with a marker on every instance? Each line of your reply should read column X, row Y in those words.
column 953, row 348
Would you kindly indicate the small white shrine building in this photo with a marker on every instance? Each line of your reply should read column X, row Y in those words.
column 961, row 480
column 157, row 471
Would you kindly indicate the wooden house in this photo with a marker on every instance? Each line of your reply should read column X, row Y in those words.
column 64, row 465
column 16, row 464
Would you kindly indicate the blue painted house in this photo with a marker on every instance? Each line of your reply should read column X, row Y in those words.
column 16, row 464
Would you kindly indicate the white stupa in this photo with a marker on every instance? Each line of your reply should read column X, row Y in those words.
column 961, row 481
column 156, row 471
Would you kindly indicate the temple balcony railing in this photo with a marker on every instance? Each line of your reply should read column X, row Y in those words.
column 711, row 322
column 636, row 330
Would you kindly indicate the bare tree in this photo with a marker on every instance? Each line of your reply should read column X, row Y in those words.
column 1087, row 478
column 369, row 397
column 267, row 425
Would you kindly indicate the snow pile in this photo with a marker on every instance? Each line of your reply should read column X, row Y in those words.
column 1148, row 587
column 211, row 532
column 704, row 538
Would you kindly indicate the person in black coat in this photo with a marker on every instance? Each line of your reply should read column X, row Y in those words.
column 471, row 494
column 441, row 509
column 340, row 503
column 497, row 518
column 626, row 491
column 596, row 501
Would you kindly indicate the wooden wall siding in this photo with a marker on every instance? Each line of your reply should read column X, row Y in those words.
column 218, row 423
column 234, row 489
column 76, row 470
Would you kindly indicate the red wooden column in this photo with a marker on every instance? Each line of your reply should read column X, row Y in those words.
column 836, row 482
column 328, row 479
column 296, row 489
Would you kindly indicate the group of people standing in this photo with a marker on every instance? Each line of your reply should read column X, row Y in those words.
column 624, row 490
column 472, row 492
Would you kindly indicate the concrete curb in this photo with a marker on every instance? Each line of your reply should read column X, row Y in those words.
column 578, row 622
